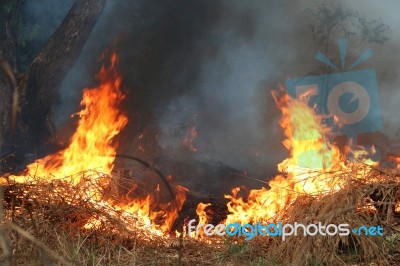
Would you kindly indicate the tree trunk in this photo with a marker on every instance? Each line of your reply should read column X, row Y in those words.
column 38, row 89
column 50, row 67
column 8, row 52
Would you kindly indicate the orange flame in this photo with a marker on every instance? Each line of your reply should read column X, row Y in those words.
column 91, row 146
column 203, row 218
column 395, row 159
column 303, row 172
column 91, row 153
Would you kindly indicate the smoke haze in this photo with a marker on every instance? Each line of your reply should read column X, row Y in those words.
column 212, row 65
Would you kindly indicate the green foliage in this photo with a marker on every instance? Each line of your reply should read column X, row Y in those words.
column 27, row 33
column 393, row 243
column 9, row 7
column 372, row 31
column 337, row 22
column 238, row 248
column 314, row 262
column 261, row 261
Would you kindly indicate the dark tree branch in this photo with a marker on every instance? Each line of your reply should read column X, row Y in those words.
column 8, row 65
column 52, row 64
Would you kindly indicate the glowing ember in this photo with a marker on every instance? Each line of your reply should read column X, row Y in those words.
column 190, row 136
column 396, row 160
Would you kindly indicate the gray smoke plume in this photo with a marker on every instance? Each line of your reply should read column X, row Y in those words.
column 212, row 65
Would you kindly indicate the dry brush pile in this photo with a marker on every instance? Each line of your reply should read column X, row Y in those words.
column 44, row 223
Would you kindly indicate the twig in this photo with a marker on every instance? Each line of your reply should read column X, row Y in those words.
column 4, row 238
column 39, row 244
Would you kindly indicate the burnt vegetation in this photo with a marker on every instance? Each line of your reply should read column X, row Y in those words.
column 59, row 223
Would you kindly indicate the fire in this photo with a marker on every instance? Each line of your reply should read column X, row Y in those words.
column 90, row 156
column 190, row 136
column 202, row 214
column 311, row 168
column 91, row 146
column 395, row 159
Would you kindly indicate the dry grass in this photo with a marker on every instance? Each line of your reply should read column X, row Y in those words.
column 42, row 225
column 369, row 201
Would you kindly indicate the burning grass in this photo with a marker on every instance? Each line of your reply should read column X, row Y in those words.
column 59, row 211
column 54, row 214
column 360, row 202
column 72, row 225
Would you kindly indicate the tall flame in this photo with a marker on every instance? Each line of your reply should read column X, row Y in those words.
column 91, row 146
column 303, row 172
column 91, row 154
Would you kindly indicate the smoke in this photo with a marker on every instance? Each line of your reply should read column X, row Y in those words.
column 385, row 61
column 39, row 19
column 47, row 14
column 212, row 65
column 227, row 100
